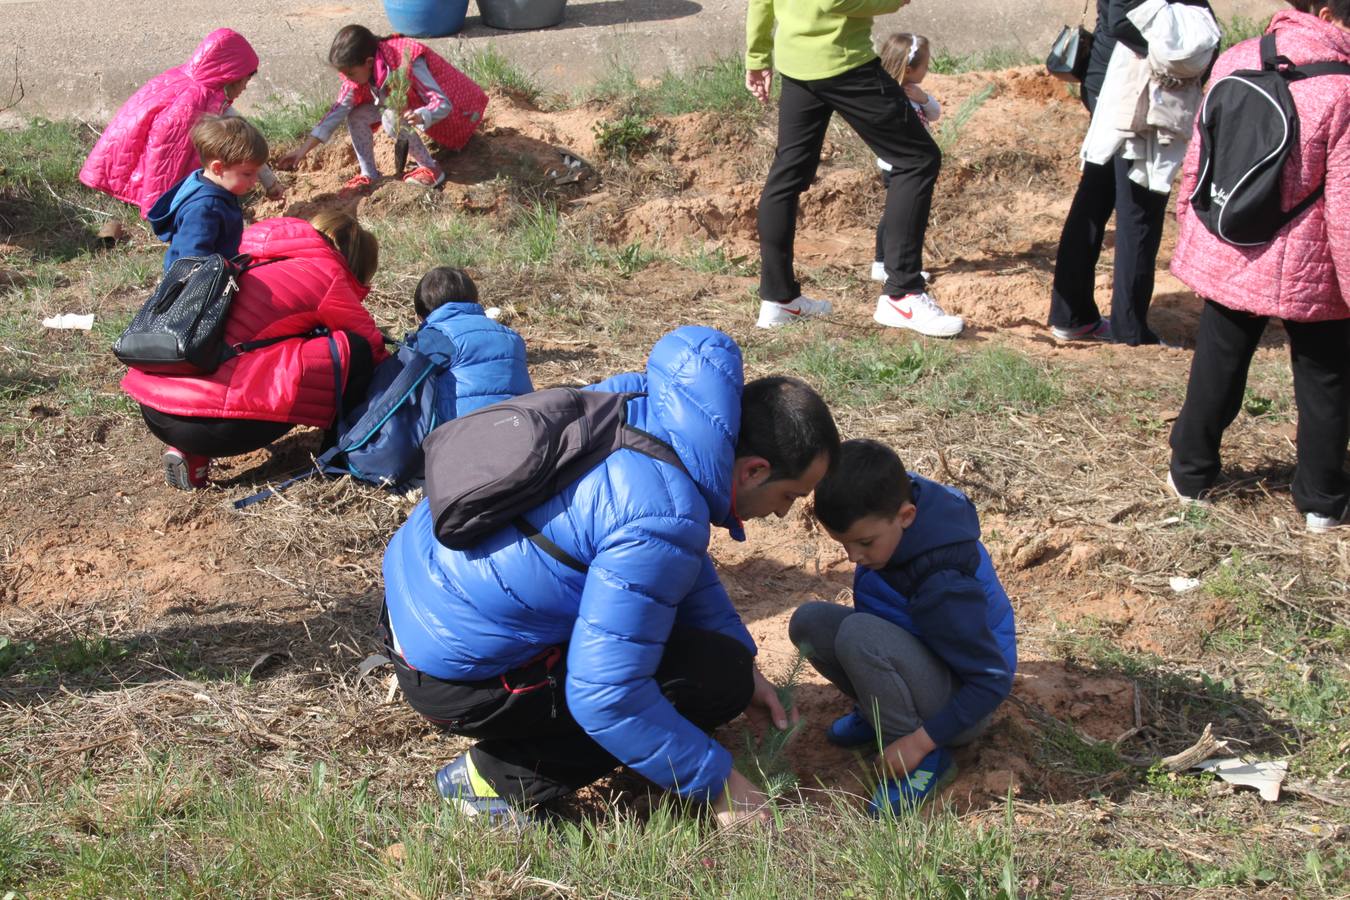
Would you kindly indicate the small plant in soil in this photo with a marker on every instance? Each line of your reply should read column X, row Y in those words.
column 769, row 753
column 396, row 88
column 625, row 137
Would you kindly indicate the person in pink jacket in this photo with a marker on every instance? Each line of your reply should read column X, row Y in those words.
column 1302, row 277
column 306, row 286
column 146, row 148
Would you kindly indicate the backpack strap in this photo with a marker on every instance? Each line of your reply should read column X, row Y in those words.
column 1272, row 61
column 630, row 437
column 1318, row 69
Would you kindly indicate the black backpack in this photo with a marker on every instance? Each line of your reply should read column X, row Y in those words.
column 1248, row 126
column 181, row 329
column 486, row 469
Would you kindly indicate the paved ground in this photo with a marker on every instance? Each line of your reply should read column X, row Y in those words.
column 84, row 57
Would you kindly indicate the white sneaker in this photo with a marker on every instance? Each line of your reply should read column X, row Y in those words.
column 1319, row 524
column 879, row 273
column 917, row 312
column 772, row 314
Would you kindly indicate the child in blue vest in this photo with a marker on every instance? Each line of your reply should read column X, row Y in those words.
column 481, row 361
column 200, row 215
column 928, row 651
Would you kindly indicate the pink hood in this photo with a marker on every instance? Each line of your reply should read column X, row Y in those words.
column 292, row 381
column 145, row 149
column 1303, row 274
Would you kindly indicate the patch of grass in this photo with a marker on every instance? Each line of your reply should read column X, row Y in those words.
column 333, row 837
column 625, row 137
column 42, row 153
column 716, row 261
column 77, row 656
column 717, row 87
column 950, row 128
column 994, row 379
column 283, row 120
column 992, row 59
column 1240, row 28
column 536, row 234
column 490, row 68
column 867, row 370
column 633, row 258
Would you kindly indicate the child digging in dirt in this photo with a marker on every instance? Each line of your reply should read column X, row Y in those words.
column 200, row 215
column 905, row 56
column 929, row 650
column 146, row 147
column 483, row 362
column 441, row 101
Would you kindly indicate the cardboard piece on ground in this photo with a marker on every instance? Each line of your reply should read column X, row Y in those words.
column 1264, row 775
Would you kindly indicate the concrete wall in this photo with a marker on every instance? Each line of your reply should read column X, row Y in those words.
column 84, row 57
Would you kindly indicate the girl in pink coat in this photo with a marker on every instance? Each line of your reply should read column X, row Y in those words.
column 146, row 148
column 1302, row 277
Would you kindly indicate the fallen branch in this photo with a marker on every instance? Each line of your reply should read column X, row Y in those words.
column 1205, row 747
column 15, row 88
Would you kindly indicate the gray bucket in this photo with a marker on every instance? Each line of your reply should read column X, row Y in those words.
column 521, row 15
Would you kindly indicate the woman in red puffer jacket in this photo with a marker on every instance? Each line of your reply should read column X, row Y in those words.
column 1302, row 277
column 317, row 276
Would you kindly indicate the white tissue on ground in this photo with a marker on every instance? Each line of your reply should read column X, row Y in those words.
column 80, row 321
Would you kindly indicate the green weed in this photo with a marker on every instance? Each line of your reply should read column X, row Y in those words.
column 490, row 68
column 708, row 260
column 951, row 127
column 995, row 379
column 867, row 370
column 1240, row 28
column 42, row 154
column 625, row 137
column 633, row 258
column 536, row 234
column 717, row 87
column 283, row 120
column 993, row 59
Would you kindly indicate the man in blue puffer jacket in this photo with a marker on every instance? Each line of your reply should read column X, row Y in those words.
column 561, row 675
column 930, row 651
column 481, row 361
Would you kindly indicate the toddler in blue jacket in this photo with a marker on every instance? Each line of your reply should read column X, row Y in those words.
column 481, row 361
column 200, row 215
column 929, row 650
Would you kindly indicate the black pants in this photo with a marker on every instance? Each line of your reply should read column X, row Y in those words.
column 214, row 437
column 874, row 106
column 1139, row 226
column 1319, row 353
column 532, row 751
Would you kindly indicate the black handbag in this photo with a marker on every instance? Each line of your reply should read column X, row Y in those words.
column 1071, row 52
column 181, row 329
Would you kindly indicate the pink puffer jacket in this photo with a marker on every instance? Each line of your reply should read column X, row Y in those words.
column 145, row 149
column 291, row 381
column 1303, row 274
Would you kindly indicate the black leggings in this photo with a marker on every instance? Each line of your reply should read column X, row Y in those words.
column 215, row 437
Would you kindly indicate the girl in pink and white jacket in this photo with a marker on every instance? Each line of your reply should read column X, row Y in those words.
column 1302, row 277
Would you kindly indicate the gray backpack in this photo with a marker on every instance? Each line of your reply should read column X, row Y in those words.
column 486, row 469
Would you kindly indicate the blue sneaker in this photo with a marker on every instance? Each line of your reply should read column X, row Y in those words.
column 459, row 782
column 899, row 795
column 851, row 730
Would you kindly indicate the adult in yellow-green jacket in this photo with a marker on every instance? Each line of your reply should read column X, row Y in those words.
column 823, row 50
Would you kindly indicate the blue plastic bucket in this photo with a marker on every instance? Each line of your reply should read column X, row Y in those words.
column 426, row 18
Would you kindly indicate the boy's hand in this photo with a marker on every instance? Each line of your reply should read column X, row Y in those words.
column 903, row 756
column 765, row 706
column 758, row 82
column 741, row 801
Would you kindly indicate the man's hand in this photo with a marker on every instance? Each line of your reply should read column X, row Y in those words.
column 916, row 93
column 740, row 801
column 903, row 756
column 758, row 82
column 765, row 706
column 276, row 191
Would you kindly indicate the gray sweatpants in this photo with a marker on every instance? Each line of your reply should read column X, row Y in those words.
column 896, row 680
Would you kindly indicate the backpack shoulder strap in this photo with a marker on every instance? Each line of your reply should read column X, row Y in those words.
column 1270, row 58
column 1318, row 69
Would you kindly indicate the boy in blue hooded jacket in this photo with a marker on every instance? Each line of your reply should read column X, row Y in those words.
column 481, row 361
column 200, row 215
column 928, row 652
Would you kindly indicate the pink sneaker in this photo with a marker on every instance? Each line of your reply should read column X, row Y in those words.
column 186, row 471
